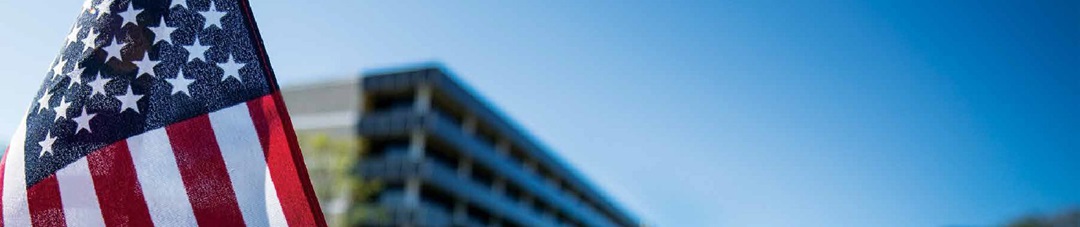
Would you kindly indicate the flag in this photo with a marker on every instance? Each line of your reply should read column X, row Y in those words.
column 158, row 113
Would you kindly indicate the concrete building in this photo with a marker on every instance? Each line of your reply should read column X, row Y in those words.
column 446, row 157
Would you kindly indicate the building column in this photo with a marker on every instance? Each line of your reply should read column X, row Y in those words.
column 417, row 145
column 422, row 105
column 413, row 182
column 464, row 172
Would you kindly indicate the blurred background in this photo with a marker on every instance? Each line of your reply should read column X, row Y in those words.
column 733, row 113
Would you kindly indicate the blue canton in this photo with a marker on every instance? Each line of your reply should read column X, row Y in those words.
column 130, row 66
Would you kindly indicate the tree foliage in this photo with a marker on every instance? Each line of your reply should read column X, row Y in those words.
column 343, row 194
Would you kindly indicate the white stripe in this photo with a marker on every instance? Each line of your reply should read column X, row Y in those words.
column 243, row 155
column 16, row 211
column 78, row 196
column 273, row 206
column 159, row 178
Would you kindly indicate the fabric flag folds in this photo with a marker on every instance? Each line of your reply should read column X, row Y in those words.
column 158, row 113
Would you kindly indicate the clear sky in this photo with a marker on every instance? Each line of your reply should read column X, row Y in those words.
column 729, row 113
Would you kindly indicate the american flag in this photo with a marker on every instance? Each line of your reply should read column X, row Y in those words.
column 158, row 112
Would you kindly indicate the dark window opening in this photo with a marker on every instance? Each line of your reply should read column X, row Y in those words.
column 513, row 193
column 517, row 155
column 510, row 224
column 442, row 155
column 542, row 208
column 561, row 219
column 486, row 136
column 478, row 215
column 384, row 147
column 445, row 109
column 437, row 199
column 393, row 102
column 483, row 176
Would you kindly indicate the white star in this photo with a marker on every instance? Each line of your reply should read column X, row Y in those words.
column 43, row 102
column 232, row 69
column 88, row 5
column 58, row 69
column 103, row 8
column 76, row 75
column 61, row 110
column 91, row 40
column 74, row 35
column 176, row 3
column 131, row 15
column 84, row 121
column 47, row 144
column 115, row 51
column 180, row 84
column 129, row 101
column 213, row 16
column 162, row 32
column 146, row 65
column 196, row 50
column 98, row 85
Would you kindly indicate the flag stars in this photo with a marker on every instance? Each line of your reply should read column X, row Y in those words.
column 113, row 27
column 61, row 110
column 83, row 121
column 74, row 35
column 91, row 40
column 103, row 8
column 115, row 51
column 131, row 15
column 58, row 69
column 180, row 84
column 232, row 69
column 129, row 100
column 98, row 85
column 213, row 16
column 146, row 66
column 43, row 102
column 162, row 32
column 197, row 50
column 76, row 75
column 47, row 144
column 88, row 5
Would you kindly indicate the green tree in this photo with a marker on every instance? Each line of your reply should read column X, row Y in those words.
column 343, row 194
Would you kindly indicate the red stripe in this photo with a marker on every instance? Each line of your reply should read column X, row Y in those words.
column 285, row 163
column 298, row 158
column 117, row 185
column 44, row 203
column 203, row 171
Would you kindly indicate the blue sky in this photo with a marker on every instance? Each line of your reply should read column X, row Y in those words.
column 733, row 113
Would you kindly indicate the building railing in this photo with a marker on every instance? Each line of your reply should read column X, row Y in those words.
column 388, row 124
column 406, row 80
column 400, row 168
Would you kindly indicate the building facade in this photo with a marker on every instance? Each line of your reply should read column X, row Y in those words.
column 447, row 158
